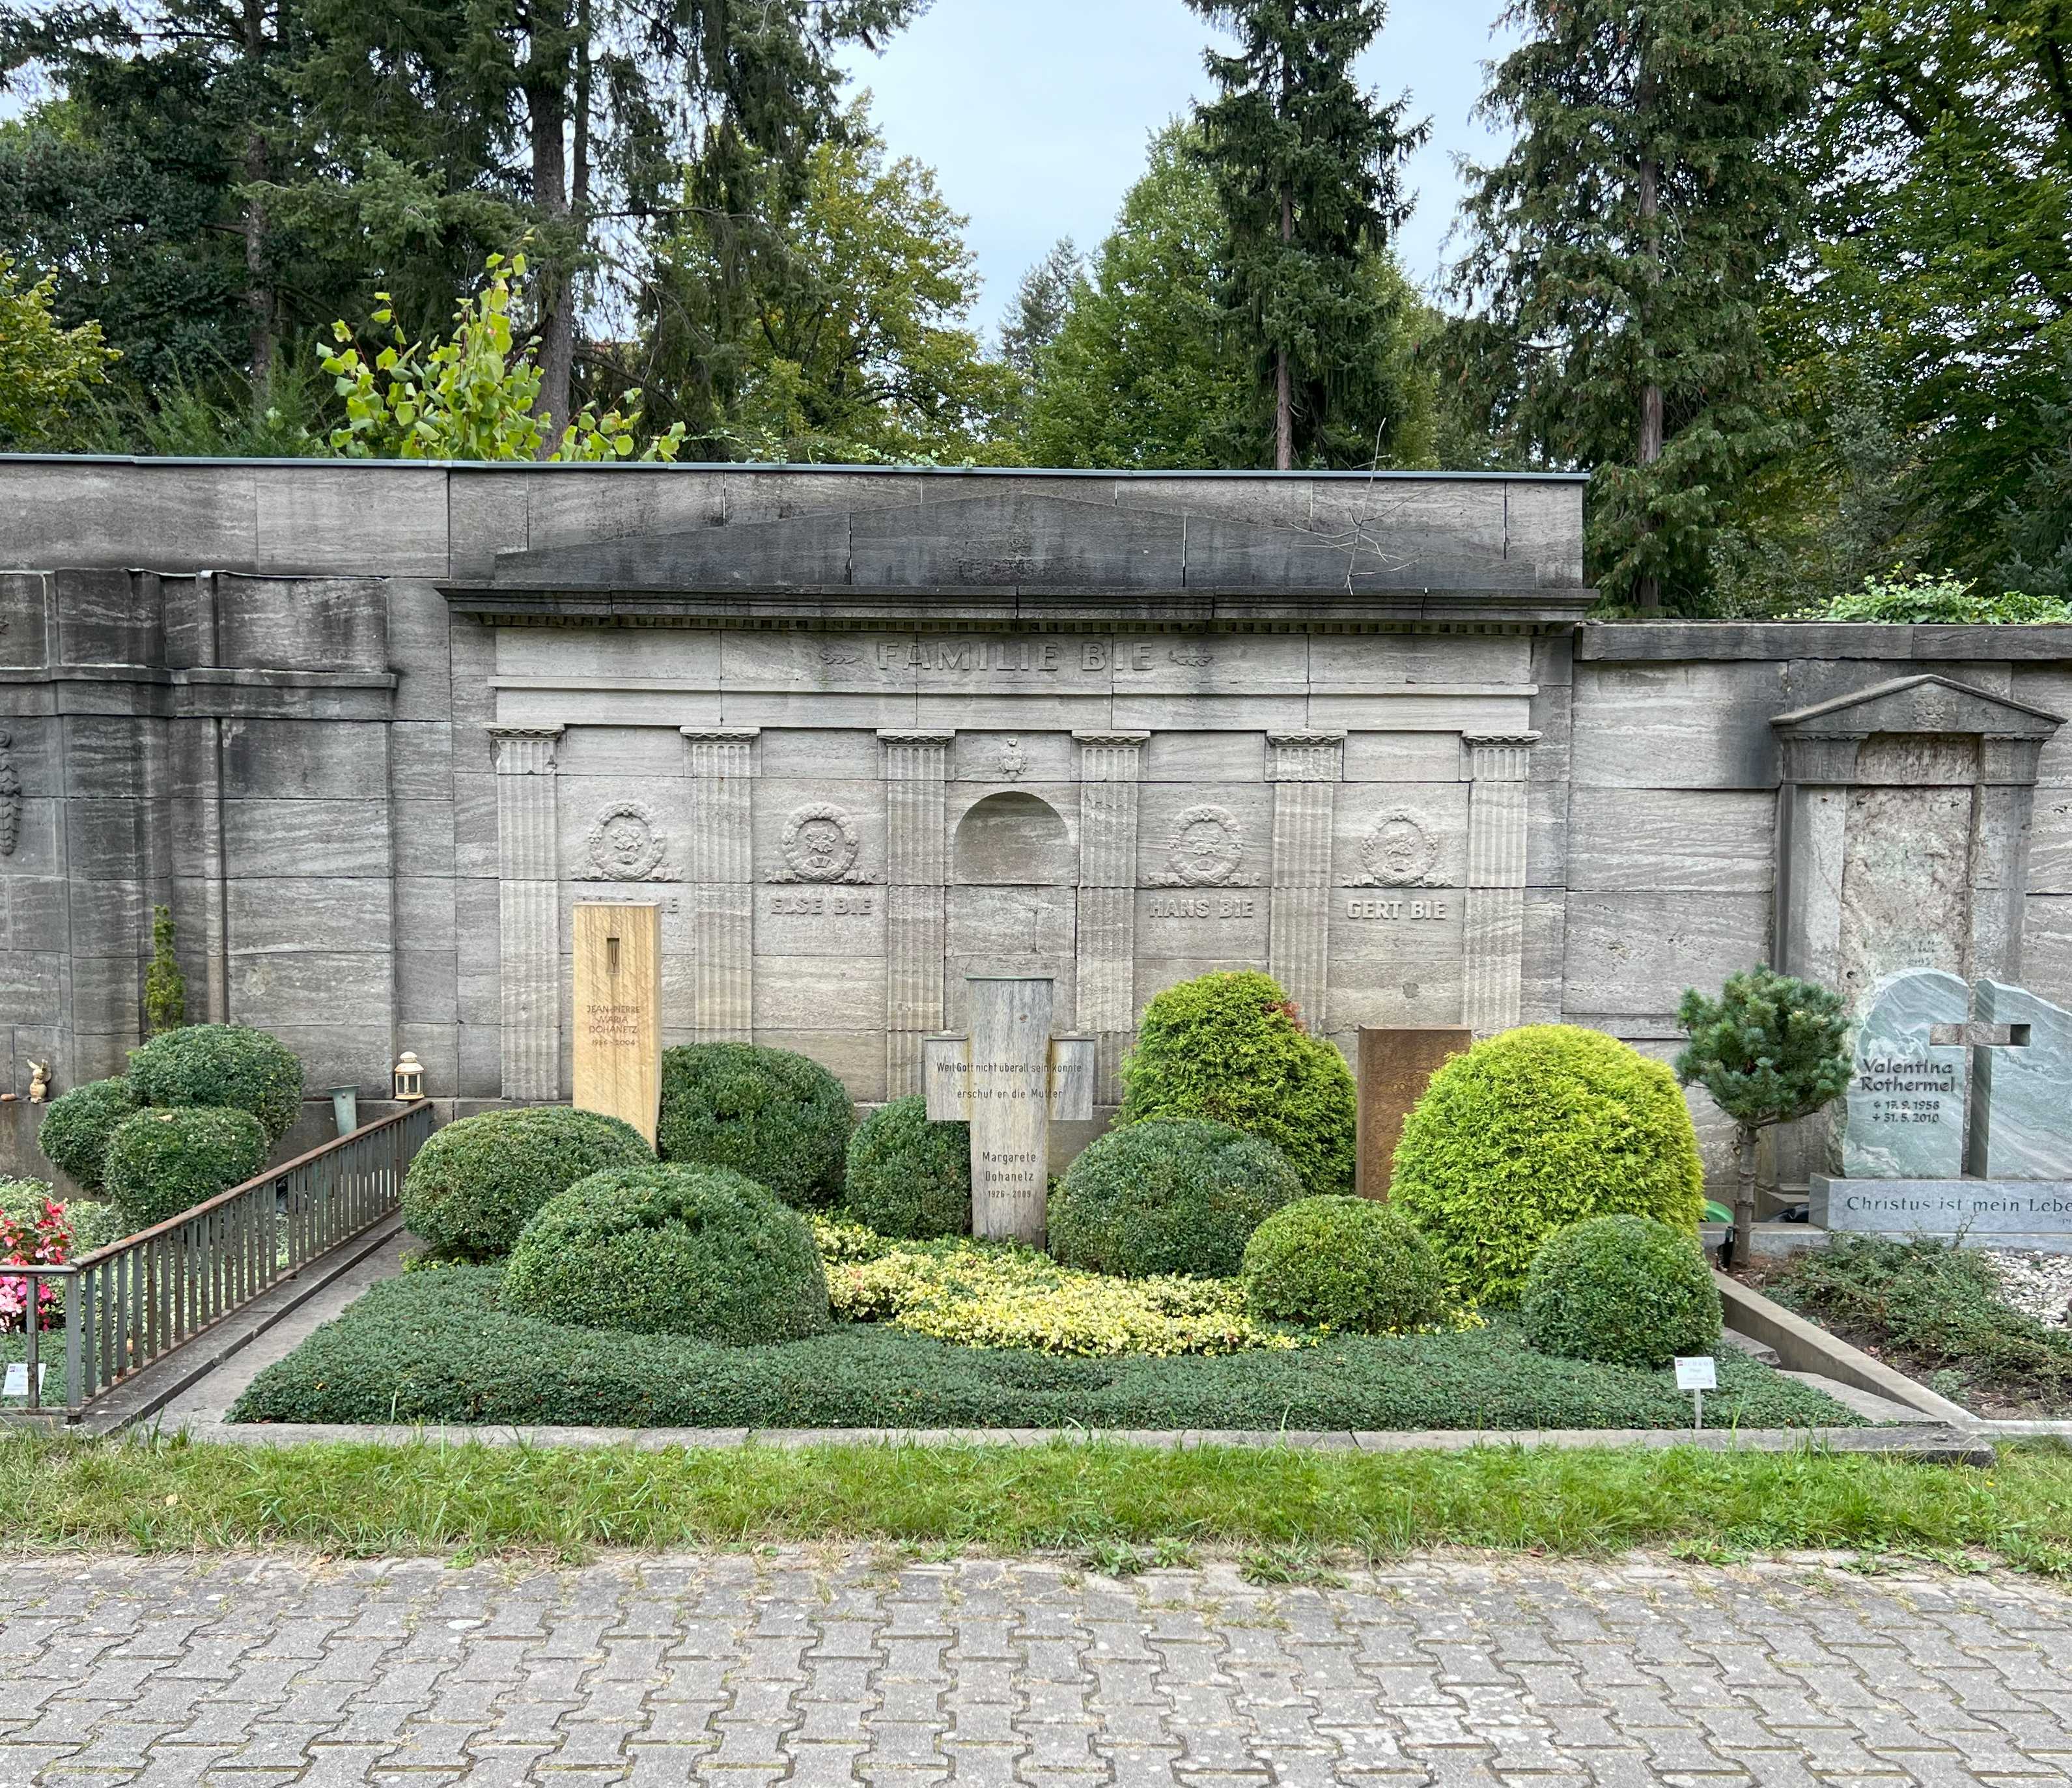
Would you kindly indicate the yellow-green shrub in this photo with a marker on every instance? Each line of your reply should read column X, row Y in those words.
column 1534, row 1130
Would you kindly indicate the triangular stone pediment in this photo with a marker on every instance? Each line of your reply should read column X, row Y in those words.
column 1920, row 704
column 1010, row 539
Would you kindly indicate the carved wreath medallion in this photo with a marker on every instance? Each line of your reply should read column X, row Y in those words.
column 1205, row 850
column 821, row 844
column 625, row 846
column 1398, row 853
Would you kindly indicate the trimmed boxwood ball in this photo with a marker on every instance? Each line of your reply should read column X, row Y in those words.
column 75, row 1131
column 1181, row 1195
column 1535, row 1129
column 906, row 1177
column 221, row 1065
column 671, row 1250
column 1349, row 1263
column 160, row 1163
column 1622, row 1291
column 1231, row 1048
column 779, row 1117
column 476, row 1183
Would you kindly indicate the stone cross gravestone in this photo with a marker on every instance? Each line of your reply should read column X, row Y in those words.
column 1397, row 1063
column 1009, row 1078
column 1905, row 1119
column 618, row 1047
column 2021, row 1091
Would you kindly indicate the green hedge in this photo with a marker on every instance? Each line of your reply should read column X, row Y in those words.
column 1182, row 1196
column 438, row 1347
column 1231, row 1048
column 663, row 1250
column 908, row 1177
column 477, row 1182
column 75, row 1129
column 1533, row 1130
column 1350, row 1264
column 1626, row 1291
column 221, row 1065
column 779, row 1117
column 160, row 1163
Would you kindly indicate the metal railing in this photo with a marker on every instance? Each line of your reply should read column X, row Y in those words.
column 132, row 1302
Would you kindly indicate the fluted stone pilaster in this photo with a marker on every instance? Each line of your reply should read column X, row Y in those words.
column 1493, row 968
column 916, row 870
column 720, row 871
column 528, row 904
column 1109, row 763
column 1305, row 768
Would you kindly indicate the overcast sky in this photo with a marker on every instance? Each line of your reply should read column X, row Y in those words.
column 1034, row 112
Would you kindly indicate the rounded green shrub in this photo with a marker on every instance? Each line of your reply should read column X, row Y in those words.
column 221, row 1065
column 671, row 1250
column 75, row 1129
column 779, row 1117
column 1622, row 1291
column 1533, row 1130
column 475, row 1184
column 161, row 1162
column 94, row 1224
column 1347, row 1263
column 908, row 1177
column 1177, row 1195
column 1231, row 1048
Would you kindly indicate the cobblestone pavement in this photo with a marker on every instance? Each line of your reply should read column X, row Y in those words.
column 822, row 1668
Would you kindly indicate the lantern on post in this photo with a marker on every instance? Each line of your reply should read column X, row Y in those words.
column 410, row 1077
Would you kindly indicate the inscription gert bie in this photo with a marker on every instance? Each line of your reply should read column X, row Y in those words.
column 1008, row 1079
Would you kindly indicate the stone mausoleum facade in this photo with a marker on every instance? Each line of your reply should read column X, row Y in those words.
column 372, row 730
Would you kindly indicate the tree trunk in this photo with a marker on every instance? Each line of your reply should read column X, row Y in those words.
column 1744, row 1192
column 258, row 286
column 547, row 105
column 1284, row 392
column 1647, row 588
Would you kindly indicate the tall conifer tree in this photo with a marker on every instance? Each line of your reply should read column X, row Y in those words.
column 1306, row 165
column 1618, row 255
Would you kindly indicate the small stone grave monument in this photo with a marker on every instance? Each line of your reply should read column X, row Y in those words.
column 618, row 1011
column 1905, row 1152
column 1008, row 1079
column 1397, row 1063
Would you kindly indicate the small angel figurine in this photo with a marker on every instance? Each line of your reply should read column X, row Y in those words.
column 39, row 1080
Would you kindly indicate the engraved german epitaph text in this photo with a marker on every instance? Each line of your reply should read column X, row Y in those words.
column 1008, row 1078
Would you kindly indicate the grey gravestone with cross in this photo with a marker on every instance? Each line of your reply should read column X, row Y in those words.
column 1009, row 1078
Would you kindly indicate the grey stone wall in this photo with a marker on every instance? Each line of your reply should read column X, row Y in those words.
column 240, row 689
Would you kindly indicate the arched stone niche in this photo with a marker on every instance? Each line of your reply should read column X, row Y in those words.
column 1013, row 837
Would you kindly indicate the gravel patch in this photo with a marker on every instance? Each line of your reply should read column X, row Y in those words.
column 2040, row 1283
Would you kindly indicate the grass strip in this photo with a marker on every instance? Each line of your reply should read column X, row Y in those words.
column 367, row 1499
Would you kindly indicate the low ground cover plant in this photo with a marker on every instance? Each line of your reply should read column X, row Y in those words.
column 1535, row 1129
column 1167, row 1196
column 1933, row 1309
column 987, row 1294
column 671, row 1250
column 906, row 1177
column 75, row 1131
column 1344, row 1264
column 772, row 1114
column 230, row 1065
column 476, row 1183
column 1626, row 1291
column 441, row 1346
column 161, row 1162
column 1231, row 1048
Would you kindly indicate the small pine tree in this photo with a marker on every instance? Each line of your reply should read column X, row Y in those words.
column 1771, row 1050
column 165, row 987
